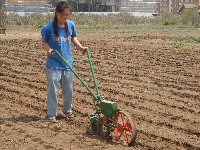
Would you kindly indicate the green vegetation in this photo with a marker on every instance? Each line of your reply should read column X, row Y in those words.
column 168, row 18
column 188, row 18
column 177, row 44
column 196, row 39
column 84, row 20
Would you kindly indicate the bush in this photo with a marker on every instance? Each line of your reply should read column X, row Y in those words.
column 168, row 18
column 81, row 19
column 91, row 20
column 105, row 21
column 34, row 19
column 190, row 16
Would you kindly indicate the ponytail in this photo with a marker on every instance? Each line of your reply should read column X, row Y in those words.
column 67, row 29
column 55, row 26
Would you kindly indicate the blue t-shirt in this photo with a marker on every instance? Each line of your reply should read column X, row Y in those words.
column 61, row 43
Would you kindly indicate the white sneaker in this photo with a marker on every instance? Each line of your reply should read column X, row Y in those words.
column 69, row 115
column 50, row 118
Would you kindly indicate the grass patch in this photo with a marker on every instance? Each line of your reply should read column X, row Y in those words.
column 196, row 39
column 177, row 44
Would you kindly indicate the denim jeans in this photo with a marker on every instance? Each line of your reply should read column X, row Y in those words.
column 55, row 78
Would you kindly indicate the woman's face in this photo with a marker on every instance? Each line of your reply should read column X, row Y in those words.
column 63, row 16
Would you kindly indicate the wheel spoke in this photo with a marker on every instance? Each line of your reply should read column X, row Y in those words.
column 124, row 128
column 124, row 131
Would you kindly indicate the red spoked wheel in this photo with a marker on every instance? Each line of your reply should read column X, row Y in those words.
column 125, row 130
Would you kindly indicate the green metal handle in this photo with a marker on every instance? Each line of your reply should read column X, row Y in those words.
column 96, row 97
column 94, row 76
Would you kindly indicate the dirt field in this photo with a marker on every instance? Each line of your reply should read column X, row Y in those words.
column 154, row 74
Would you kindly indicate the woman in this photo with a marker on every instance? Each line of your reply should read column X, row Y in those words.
column 58, row 35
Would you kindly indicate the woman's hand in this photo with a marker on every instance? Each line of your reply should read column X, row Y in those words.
column 50, row 53
column 84, row 50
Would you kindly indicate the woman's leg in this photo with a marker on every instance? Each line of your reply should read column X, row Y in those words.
column 53, row 78
column 67, row 80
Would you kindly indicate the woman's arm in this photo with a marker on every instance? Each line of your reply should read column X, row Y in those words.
column 76, row 42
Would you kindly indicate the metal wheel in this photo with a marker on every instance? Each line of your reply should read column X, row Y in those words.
column 125, row 130
column 95, row 127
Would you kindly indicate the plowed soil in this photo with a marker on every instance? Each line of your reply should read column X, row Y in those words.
column 153, row 74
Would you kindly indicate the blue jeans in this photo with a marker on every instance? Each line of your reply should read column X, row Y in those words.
column 54, row 79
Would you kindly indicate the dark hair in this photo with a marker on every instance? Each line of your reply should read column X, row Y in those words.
column 60, row 7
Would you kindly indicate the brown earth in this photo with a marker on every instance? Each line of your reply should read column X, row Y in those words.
column 140, row 69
